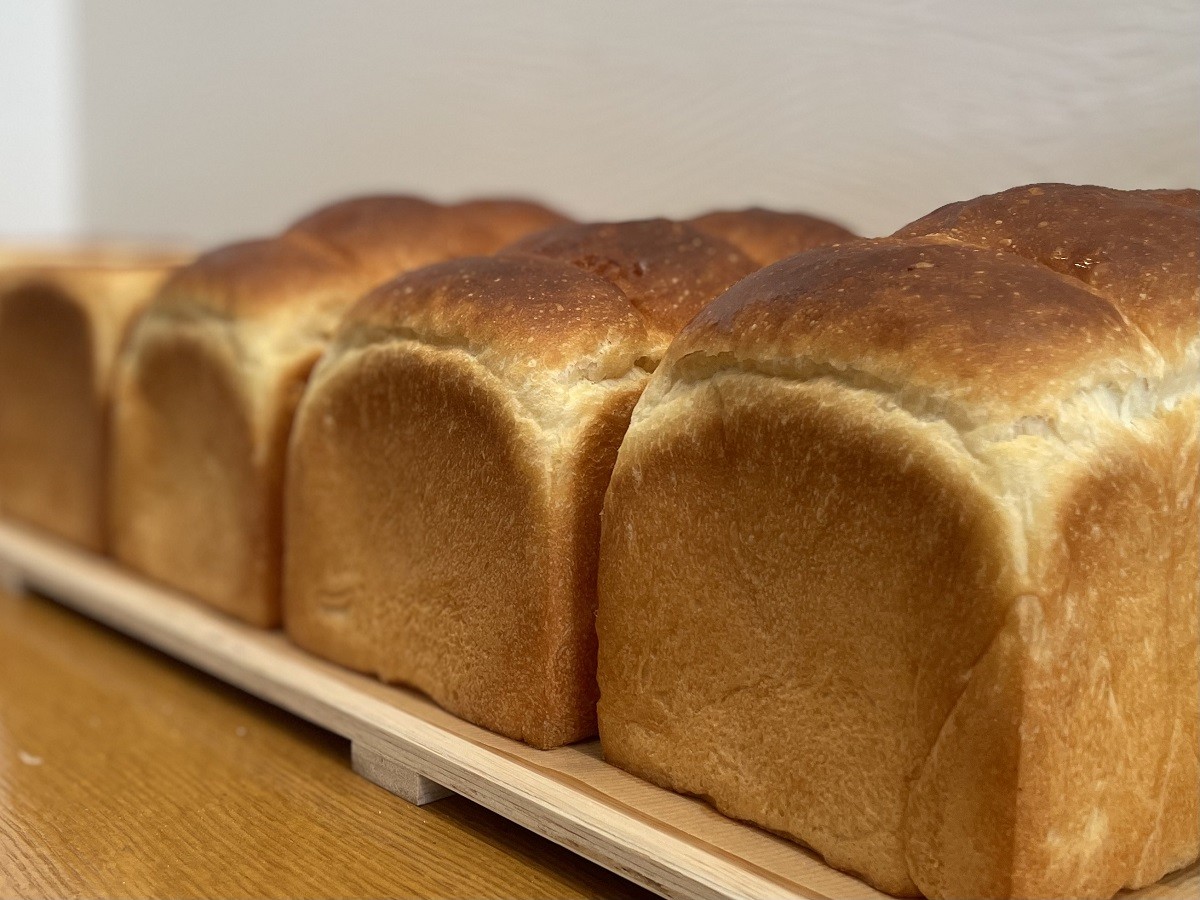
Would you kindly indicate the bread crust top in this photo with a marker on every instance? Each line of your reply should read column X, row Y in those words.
column 667, row 270
column 1136, row 248
column 975, row 311
column 509, row 217
column 383, row 235
column 256, row 278
column 328, row 258
column 769, row 235
column 522, row 309
column 589, row 302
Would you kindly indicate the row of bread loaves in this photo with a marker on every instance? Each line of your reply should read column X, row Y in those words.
column 899, row 548
column 212, row 375
column 215, row 367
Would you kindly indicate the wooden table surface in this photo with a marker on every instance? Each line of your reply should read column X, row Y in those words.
column 126, row 774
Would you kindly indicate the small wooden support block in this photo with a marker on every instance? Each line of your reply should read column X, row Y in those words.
column 392, row 776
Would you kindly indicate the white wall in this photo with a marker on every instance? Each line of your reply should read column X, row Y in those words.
column 219, row 118
column 39, row 149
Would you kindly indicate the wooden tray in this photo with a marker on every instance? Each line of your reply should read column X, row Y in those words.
column 672, row 845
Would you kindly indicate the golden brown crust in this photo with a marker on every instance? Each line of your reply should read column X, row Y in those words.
column 189, row 506
column 51, row 416
column 984, row 331
column 327, row 259
column 575, row 540
column 771, row 590
column 387, row 234
column 242, row 326
column 768, row 235
column 1137, row 248
column 432, row 539
column 668, row 270
column 62, row 320
column 414, row 572
column 1189, row 198
column 1117, row 648
column 1102, row 680
column 384, row 235
column 523, row 309
column 510, row 218
column 260, row 277
column 209, row 383
column 926, row 506
column 450, row 458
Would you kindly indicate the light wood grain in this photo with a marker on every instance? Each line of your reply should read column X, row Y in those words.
column 673, row 845
column 126, row 774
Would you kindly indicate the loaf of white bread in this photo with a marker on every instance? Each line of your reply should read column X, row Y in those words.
column 768, row 235
column 64, row 313
column 215, row 368
column 451, row 454
column 900, row 553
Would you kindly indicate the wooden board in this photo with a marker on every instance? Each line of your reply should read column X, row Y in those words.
column 673, row 845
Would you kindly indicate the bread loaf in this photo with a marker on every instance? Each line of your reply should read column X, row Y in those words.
column 215, row 369
column 450, row 456
column 63, row 314
column 900, row 553
column 768, row 235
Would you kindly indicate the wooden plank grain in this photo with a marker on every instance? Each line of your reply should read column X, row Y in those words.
column 126, row 774
column 673, row 845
